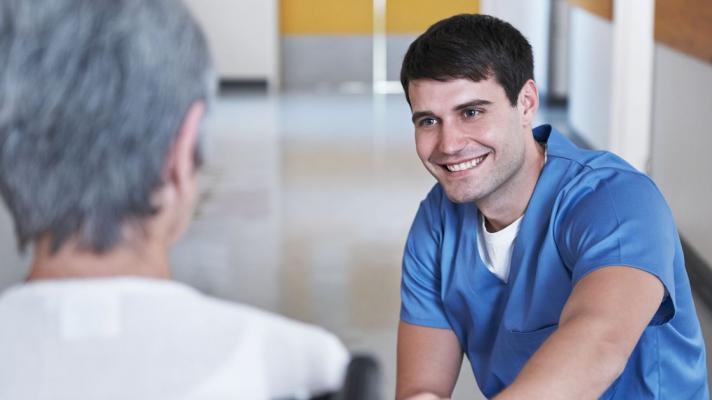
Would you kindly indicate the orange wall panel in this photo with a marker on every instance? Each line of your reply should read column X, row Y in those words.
column 602, row 8
column 326, row 17
column 415, row 16
column 685, row 25
column 355, row 17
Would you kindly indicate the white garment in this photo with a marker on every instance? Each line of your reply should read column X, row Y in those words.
column 495, row 248
column 134, row 338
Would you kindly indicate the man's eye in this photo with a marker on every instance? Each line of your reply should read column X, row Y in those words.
column 471, row 113
column 427, row 122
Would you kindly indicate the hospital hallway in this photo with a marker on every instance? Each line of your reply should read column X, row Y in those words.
column 305, row 204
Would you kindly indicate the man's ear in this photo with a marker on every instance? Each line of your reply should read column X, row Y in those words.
column 181, row 161
column 528, row 102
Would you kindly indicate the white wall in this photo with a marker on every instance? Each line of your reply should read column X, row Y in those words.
column 243, row 37
column 559, row 49
column 326, row 60
column 632, row 81
column 532, row 19
column 682, row 143
column 397, row 46
column 590, row 64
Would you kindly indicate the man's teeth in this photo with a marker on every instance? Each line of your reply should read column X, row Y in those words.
column 465, row 165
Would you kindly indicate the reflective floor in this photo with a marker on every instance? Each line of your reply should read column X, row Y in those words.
column 308, row 199
column 306, row 202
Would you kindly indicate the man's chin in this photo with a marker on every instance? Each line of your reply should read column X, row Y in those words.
column 458, row 190
column 459, row 197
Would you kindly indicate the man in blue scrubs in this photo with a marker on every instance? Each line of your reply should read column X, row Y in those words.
column 557, row 271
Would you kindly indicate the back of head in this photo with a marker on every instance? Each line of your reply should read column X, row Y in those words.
column 470, row 46
column 92, row 94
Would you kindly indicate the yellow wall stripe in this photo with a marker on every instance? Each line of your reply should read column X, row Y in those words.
column 326, row 17
column 685, row 25
column 415, row 16
column 602, row 8
column 355, row 17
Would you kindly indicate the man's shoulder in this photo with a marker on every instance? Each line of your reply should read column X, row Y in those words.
column 611, row 176
column 563, row 150
column 589, row 184
column 580, row 169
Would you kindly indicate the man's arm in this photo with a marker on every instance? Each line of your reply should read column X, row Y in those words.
column 429, row 361
column 599, row 327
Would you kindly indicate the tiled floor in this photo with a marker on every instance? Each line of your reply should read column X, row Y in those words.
column 306, row 203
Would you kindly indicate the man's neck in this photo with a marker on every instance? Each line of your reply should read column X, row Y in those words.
column 71, row 261
column 511, row 201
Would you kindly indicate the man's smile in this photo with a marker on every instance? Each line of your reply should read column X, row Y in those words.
column 464, row 165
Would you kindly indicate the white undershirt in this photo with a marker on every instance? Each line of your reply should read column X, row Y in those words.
column 496, row 247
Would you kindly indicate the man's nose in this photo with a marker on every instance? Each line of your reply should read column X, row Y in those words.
column 452, row 139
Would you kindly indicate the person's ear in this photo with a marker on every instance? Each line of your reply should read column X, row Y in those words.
column 181, row 161
column 528, row 102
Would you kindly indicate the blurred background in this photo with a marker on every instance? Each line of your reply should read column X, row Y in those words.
column 312, row 179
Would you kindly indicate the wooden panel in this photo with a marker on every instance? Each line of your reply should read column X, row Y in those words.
column 685, row 25
column 415, row 16
column 326, row 17
column 602, row 8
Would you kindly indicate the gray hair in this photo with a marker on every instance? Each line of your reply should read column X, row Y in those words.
column 92, row 95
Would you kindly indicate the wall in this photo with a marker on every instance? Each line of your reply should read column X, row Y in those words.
column 681, row 142
column 685, row 25
column 330, row 42
column 590, row 57
column 558, row 87
column 406, row 19
column 325, row 42
column 679, row 130
column 237, row 55
column 532, row 19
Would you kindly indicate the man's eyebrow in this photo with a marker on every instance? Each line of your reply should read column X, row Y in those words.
column 419, row 114
column 473, row 103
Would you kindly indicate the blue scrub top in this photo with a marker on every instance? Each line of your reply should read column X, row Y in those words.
column 590, row 209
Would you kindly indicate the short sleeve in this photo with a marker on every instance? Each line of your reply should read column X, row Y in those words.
column 421, row 300
column 619, row 218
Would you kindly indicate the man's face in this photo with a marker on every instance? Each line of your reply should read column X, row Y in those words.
column 468, row 136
